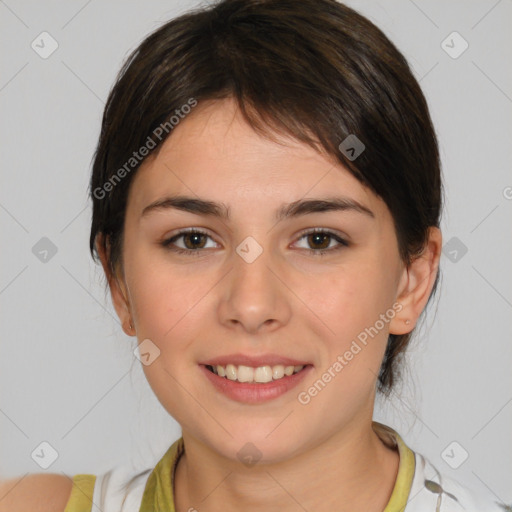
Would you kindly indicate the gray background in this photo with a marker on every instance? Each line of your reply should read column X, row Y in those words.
column 68, row 374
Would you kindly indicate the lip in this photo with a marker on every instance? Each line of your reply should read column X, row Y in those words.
column 255, row 393
column 254, row 361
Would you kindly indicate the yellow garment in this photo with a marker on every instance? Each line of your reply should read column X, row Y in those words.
column 81, row 494
column 158, row 493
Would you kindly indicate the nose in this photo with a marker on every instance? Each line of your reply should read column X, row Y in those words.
column 254, row 296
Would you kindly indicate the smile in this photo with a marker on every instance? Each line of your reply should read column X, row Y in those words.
column 261, row 374
column 254, row 385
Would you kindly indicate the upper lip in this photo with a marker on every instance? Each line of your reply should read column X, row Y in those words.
column 254, row 361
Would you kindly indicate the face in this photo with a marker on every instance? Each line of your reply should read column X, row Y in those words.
column 256, row 290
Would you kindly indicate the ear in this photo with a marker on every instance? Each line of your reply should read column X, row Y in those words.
column 416, row 284
column 117, row 286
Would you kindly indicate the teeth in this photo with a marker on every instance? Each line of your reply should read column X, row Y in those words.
column 231, row 372
column 278, row 372
column 245, row 374
column 263, row 374
column 260, row 374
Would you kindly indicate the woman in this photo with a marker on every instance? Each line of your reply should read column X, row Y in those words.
column 266, row 205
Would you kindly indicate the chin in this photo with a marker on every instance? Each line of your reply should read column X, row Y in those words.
column 255, row 446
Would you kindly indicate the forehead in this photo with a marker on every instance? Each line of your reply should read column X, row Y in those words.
column 213, row 153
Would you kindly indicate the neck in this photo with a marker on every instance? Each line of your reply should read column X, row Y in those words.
column 351, row 470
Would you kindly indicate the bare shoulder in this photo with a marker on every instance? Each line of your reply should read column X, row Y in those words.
column 38, row 492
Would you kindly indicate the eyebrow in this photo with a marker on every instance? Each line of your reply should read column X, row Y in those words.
column 294, row 209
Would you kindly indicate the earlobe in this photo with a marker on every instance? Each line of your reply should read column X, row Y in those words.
column 117, row 289
column 416, row 284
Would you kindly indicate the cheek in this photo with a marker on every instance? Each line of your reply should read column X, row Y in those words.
column 350, row 299
column 356, row 305
column 169, row 312
column 352, row 348
column 166, row 302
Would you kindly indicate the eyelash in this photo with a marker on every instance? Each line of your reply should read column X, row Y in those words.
column 197, row 252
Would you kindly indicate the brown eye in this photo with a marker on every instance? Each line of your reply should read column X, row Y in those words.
column 193, row 241
column 319, row 241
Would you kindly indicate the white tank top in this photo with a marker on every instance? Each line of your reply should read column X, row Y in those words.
column 419, row 486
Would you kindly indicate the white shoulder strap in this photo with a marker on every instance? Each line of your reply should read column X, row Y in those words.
column 119, row 490
column 433, row 492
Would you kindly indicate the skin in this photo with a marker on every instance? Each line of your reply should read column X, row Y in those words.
column 324, row 455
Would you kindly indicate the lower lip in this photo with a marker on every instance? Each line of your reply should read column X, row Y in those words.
column 255, row 393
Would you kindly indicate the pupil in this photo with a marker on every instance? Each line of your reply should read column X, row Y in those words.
column 317, row 236
column 194, row 236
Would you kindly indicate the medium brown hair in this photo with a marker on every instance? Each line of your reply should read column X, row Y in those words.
column 314, row 69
